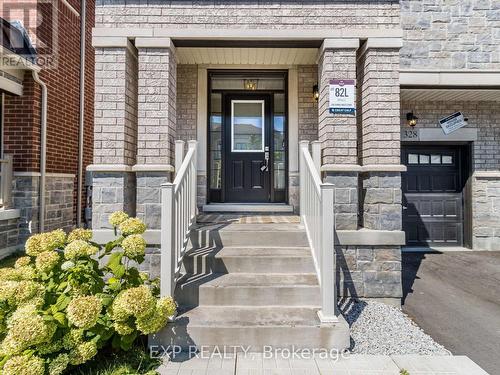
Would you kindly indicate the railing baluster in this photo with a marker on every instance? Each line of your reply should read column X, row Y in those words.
column 317, row 216
column 178, row 211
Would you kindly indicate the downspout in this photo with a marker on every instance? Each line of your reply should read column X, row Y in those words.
column 43, row 149
column 81, row 115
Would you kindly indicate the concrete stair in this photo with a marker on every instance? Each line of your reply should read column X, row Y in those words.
column 250, row 285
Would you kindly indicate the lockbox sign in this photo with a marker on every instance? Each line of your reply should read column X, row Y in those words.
column 342, row 96
column 452, row 122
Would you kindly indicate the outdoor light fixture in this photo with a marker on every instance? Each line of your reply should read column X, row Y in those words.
column 316, row 92
column 411, row 119
column 250, row 84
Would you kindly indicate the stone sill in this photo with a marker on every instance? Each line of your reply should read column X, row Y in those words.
column 102, row 236
column 369, row 237
column 9, row 213
column 487, row 175
column 361, row 237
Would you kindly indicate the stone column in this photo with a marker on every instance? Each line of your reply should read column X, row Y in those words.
column 115, row 130
column 338, row 133
column 379, row 134
column 157, row 80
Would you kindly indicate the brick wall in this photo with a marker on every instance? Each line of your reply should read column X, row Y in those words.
column 115, row 131
column 287, row 14
column 308, row 106
column 187, row 94
column 443, row 34
column 337, row 133
column 22, row 114
column 484, row 116
column 378, row 107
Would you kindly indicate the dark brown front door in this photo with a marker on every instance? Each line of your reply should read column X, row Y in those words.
column 433, row 195
column 247, row 144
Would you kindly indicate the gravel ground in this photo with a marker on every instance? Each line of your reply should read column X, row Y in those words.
column 377, row 328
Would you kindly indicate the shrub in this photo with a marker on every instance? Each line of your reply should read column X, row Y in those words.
column 59, row 306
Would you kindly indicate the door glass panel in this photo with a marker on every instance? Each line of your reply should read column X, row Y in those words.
column 279, row 141
column 247, row 125
column 435, row 159
column 412, row 159
column 215, row 141
column 424, row 159
column 447, row 159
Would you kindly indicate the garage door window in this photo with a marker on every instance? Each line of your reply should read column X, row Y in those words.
column 425, row 159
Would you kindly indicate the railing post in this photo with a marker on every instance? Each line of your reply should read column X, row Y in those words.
column 328, row 312
column 6, row 181
column 303, row 146
column 194, row 145
column 167, row 255
column 316, row 155
column 179, row 155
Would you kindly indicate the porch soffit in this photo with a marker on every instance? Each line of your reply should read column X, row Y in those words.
column 246, row 56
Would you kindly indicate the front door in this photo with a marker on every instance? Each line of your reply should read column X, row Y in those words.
column 247, row 141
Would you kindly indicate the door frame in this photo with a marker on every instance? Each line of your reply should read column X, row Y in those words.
column 257, row 73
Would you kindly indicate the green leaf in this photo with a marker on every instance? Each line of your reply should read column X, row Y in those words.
column 115, row 265
column 62, row 302
column 129, row 339
column 60, row 318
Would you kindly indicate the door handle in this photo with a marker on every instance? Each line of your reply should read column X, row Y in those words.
column 265, row 167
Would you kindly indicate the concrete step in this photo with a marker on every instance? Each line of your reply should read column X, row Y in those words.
column 249, row 260
column 248, row 207
column 249, row 289
column 260, row 235
column 254, row 327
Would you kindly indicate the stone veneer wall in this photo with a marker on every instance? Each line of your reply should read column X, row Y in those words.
column 9, row 236
column 232, row 14
column 111, row 192
column 443, row 34
column 485, row 117
column 59, row 203
column 369, row 272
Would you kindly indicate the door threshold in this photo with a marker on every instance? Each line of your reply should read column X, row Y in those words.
column 433, row 249
column 248, row 207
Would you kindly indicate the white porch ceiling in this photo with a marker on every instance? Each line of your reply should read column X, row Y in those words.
column 450, row 95
column 246, row 56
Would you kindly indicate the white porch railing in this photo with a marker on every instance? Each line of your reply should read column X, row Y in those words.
column 5, row 181
column 317, row 216
column 178, row 214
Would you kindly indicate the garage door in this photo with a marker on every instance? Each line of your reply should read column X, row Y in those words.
column 432, row 196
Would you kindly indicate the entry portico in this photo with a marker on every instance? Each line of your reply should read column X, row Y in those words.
column 247, row 97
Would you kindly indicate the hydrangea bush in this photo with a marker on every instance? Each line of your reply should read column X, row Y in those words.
column 59, row 306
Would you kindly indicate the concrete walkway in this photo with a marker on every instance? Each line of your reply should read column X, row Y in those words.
column 256, row 364
column 455, row 298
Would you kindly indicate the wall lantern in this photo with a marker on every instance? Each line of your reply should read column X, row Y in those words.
column 250, row 84
column 316, row 92
column 411, row 119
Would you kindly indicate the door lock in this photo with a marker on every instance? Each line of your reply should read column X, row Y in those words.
column 265, row 167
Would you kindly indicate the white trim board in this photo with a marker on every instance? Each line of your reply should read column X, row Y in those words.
column 246, row 34
column 476, row 78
